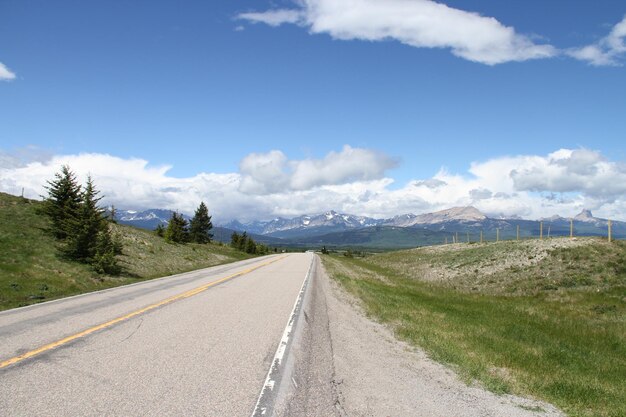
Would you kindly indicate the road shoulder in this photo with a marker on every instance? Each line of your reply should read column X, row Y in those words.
column 360, row 369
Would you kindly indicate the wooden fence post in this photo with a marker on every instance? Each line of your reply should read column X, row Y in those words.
column 540, row 230
column 609, row 230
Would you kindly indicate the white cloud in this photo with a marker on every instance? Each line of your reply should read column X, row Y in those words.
column 418, row 23
column 272, row 172
column 607, row 51
column 273, row 17
column 351, row 180
column 264, row 173
column 577, row 170
column 5, row 73
column 349, row 165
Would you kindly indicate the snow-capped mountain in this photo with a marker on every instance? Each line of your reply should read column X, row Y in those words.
column 332, row 221
column 146, row 219
column 334, row 226
column 320, row 223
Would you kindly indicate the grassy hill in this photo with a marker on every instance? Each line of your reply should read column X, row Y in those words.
column 540, row 318
column 31, row 270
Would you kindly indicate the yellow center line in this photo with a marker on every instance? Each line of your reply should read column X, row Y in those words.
column 113, row 322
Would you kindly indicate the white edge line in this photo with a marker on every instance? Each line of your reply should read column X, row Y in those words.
column 280, row 351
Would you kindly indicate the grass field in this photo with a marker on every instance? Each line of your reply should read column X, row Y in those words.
column 31, row 270
column 545, row 319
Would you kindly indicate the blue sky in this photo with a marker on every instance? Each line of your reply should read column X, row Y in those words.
column 199, row 86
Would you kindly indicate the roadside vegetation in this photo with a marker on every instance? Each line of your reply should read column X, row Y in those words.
column 244, row 243
column 179, row 230
column 33, row 269
column 545, row 319
column 77, row 223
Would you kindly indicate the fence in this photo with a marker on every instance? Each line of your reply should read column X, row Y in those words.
column 540, row 232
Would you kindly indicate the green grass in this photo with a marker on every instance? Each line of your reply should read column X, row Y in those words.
column 31, row 270
column 565, row 343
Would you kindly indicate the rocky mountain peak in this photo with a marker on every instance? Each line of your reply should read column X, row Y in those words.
column 468, row 213
column 585, row 216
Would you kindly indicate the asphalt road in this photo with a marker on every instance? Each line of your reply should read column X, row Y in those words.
column 199, row 343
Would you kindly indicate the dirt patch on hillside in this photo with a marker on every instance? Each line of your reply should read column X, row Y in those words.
column 446, row 263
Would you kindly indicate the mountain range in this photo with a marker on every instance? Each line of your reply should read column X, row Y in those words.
column 150, row 219
column 336, row 229
column 147, row 219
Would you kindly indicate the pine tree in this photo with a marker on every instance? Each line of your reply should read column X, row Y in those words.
column 200, row 225
column 250, row 246
column 107, row 246
column 63, row 202
column 243, row 242
column 81, row 242
column 78, row 222
column 234, row 240
column 160, row 230
column 177, row 231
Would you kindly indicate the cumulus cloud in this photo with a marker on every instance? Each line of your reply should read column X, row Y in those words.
column 272, row 172
column 417, row 23
column 349, row 165
column 579, row 170
column 607, row 51
column 5, row 73
column 351, row 180
column 264, row 173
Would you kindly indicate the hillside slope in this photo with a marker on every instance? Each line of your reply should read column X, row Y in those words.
column 31, row 270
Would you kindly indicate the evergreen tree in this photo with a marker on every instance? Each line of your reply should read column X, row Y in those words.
column 250, row 246
column 200, row 225
column 243, row 242
column 107, row 246
column 63, row 202
column 177, row 231
column 234, row 240
column 160, row 230
column 79, row 223
column 81, row 242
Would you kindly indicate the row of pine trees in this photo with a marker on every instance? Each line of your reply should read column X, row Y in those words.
column 79, row 225
column 197, row 230
column 245, row 243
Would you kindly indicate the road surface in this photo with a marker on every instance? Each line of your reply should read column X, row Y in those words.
column 272, row 336
column 199, row 343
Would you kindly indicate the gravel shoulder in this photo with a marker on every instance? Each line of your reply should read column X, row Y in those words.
column 367, row 372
